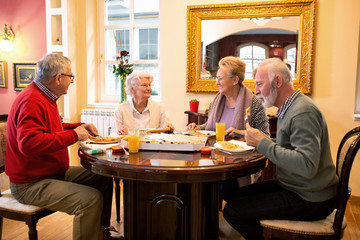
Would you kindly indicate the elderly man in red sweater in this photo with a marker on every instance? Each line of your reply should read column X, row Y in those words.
column 37, row 159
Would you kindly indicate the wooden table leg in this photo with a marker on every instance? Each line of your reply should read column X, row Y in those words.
column 117, row 198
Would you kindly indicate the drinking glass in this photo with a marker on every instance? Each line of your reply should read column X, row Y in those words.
column 133, row 140
column 220, row 131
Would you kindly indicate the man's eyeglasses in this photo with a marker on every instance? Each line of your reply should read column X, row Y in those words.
column 72, row 77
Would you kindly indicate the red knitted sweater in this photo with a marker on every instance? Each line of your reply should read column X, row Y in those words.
column 37, row 141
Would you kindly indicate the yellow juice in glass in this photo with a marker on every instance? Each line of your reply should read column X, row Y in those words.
column 133, row 141
column 220, row 131
column 134, row 158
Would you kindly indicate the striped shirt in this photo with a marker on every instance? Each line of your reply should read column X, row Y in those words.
column 46, row 90
column 282, row 110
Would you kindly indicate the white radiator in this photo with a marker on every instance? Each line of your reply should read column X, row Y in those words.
column 103, row 119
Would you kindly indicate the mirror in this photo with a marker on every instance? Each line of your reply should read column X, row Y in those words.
column 211, row 24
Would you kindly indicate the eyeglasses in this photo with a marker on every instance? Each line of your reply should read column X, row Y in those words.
column 222, row 78
column 144, row 85
column 72, row 77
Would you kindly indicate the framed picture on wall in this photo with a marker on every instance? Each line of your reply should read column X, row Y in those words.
column 3, row 74
column 24, row 73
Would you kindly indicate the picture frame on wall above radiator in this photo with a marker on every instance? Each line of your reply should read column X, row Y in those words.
column 24, row 74
column 3, row 74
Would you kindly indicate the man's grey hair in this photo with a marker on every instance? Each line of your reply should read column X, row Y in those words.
column 50, row 65
column 134, row 79
column 276, row 66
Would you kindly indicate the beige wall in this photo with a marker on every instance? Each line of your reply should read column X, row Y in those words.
column 335, row 70
column 335, row 65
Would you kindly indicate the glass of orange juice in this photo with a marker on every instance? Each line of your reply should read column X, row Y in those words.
column 133, row 140
column 220, row 131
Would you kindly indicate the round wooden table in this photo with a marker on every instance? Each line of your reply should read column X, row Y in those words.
column 172, row 195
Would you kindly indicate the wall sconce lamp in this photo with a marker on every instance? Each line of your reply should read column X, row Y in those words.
column 6, row 39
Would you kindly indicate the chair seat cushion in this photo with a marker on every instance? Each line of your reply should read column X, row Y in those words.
column 9, row 203
column 320, row 227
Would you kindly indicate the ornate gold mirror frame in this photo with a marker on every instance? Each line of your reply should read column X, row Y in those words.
column 305, row 9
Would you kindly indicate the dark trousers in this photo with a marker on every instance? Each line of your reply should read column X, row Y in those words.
column 268, row 200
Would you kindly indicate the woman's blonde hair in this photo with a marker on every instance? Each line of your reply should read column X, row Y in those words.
column 235, row 65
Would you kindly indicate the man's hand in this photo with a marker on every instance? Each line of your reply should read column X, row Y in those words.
column 82, row 133
column 91, row 129
column 253, row 136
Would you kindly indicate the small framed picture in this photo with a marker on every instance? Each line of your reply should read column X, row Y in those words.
column 3, row 74
column 24, row 73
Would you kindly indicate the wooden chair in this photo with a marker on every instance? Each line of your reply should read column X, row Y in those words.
column 9, row 207
column 333, row 226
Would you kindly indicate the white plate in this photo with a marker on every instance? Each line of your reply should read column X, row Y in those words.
column 203, row 133
column 242, row 147
column 107, row 141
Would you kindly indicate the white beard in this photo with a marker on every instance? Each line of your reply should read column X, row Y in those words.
column 269, row 101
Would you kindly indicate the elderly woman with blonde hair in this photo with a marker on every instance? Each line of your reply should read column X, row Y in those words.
column 235, row 105
column 140, row 112
column 234, row 102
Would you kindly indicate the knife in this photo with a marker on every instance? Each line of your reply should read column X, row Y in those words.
column 239, row 135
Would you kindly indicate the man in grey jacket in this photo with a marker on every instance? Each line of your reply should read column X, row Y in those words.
column 306, row 182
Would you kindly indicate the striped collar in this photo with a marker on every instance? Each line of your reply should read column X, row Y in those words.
column 282, row 110
column 46, row 90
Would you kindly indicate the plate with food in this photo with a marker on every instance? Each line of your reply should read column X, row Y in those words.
column 233, row 146
column 169, row 142
column 105, row 140
column 200, row 133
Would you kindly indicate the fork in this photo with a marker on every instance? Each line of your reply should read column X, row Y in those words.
column 246, row 118
column 126, row 152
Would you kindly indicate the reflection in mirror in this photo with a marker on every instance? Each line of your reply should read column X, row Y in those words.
column 252, row 31
column 253, row 40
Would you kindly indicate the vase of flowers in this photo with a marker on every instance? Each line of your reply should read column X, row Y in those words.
column 122, row 70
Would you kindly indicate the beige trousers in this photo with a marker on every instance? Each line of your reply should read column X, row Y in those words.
column 79, row 192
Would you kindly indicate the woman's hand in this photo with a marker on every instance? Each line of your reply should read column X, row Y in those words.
column 172, row 128
column 231, row 132
column 122, row 130
column 193, row 126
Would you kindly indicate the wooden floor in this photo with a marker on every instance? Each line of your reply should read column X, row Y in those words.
column 58, row 226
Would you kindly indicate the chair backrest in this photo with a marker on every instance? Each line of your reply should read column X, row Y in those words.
column 4, row 180
column 347, row 151
column 2, row 144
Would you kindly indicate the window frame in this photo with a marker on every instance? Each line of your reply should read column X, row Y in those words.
column 293, row 73
column 101, row 84
column 252, row 44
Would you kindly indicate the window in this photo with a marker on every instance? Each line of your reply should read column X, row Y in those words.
column 290, row 57
column 131, row 25
column 252, row 54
